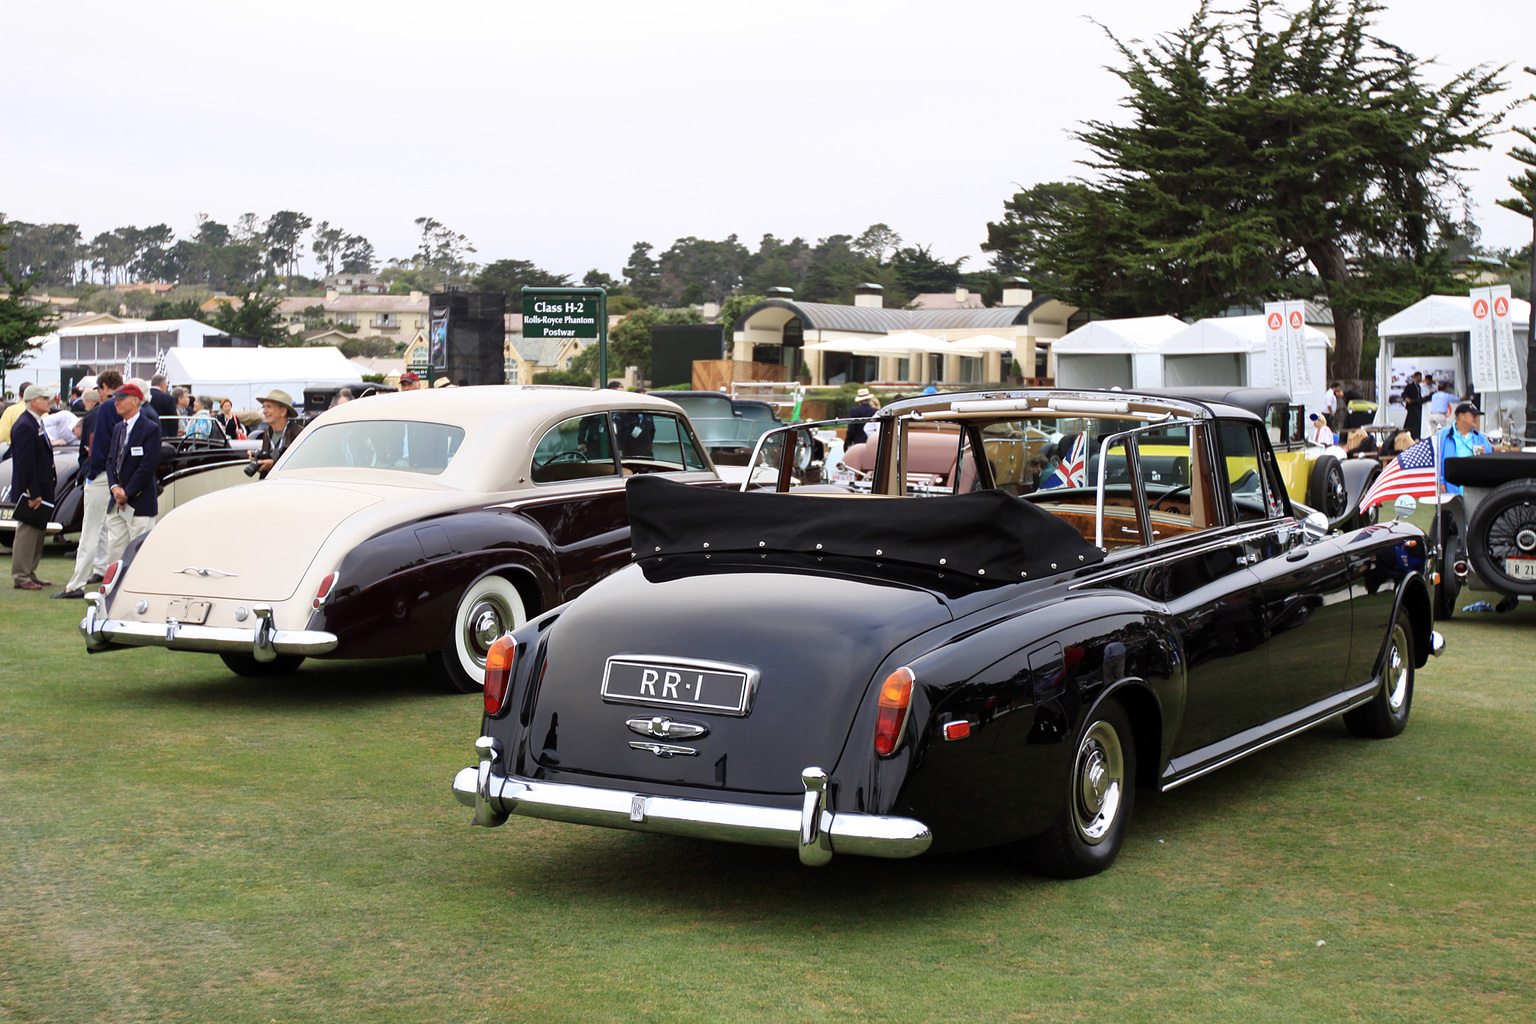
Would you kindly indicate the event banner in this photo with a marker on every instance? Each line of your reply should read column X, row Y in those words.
column 1296, row 348
column 1495, row 363
column 1274, row 346
column 1506, row 356
column 1284, row 326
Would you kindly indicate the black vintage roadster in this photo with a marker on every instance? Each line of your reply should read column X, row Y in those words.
column 886, row 675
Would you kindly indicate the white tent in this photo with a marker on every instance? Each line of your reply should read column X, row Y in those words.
column 1449, row 318
column 880, row 344
column 978, row 345
column 39, row 366
column 1234, row 350
column 1114, row 353
column 243, row 374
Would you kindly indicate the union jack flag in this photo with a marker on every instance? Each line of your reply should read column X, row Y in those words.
column 1411, row 473
column 1072, row 470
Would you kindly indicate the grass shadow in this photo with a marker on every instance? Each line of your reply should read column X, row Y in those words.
column 317, row 685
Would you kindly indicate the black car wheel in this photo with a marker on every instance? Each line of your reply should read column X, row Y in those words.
column 1504, row 527
column 488, row 609
column 247, row 665
column 1449, row 588
column 1327, row 491
column 1387, row 713
column 1092, row 822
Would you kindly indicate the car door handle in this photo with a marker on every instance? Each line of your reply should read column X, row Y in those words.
column 1297, row 555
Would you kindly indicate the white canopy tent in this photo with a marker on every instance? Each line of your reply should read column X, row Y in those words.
column 1234, row 350
column 880, row 344
column 244, row 374
column 1449, row 318
column 1115, row 353
column 978, row 345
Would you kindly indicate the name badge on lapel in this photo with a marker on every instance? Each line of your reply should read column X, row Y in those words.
column 136, row 451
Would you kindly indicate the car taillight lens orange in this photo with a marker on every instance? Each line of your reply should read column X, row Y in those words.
column 498, row 674
column 326, row 586
column 895, row 698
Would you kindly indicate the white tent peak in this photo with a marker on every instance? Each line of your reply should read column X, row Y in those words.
column 1444, row 314
column 1129, row 334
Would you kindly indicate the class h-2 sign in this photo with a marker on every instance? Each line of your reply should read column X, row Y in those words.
column 560, row 316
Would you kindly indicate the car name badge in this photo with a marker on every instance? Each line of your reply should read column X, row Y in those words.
column 676, row 682
column 187, row 611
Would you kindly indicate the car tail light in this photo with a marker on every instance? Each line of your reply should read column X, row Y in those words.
column 498, row 674
column 109, row 577
column 895, row 698
column 326, row 586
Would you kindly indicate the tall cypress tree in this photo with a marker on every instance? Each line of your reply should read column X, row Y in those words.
column 1524, row 203
column 1259, row 145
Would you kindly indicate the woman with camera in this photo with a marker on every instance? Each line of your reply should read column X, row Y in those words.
column 282, row 421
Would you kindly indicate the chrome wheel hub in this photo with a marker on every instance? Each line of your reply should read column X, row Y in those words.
column 1397, row 673
column 1098, row 782
column 483, row 626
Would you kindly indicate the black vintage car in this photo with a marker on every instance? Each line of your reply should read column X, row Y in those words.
column 860, row 673
column 1487, row 533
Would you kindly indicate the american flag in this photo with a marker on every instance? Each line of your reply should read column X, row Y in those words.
column 1411, row 473
column 1070, row 472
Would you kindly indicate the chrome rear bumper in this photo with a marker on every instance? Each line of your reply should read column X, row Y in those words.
column 814, row 830
column 263, row 642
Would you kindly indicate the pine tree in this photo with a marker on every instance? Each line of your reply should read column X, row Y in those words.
column 1259, row 145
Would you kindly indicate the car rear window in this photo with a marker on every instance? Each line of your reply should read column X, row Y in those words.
column 402, row 445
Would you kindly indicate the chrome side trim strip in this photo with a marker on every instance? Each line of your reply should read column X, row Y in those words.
column 1098, row 574
column 812, row 829
column 1308, row 718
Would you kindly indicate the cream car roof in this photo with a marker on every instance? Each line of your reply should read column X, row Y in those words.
column 502, row 424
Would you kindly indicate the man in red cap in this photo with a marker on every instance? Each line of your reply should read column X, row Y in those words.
column 131, row 464
column 410, row 380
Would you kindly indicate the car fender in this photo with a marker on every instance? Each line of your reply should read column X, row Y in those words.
column 1413, row 600
column 397, row 592
column 1021, row 710
column 1358, row 475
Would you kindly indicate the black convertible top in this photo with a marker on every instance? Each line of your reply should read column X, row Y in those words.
column 986, row 535
column 1491, row 469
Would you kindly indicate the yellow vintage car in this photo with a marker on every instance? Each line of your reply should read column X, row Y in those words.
column 1314, row 474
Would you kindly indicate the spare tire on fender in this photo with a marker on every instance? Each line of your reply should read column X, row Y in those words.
column 1504, row 526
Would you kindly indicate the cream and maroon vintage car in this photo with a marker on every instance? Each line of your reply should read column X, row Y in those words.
column 418, row 523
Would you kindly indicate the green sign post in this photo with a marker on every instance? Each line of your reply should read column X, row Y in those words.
column 580, row 313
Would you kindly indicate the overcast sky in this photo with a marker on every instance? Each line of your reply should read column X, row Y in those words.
column 562, row 133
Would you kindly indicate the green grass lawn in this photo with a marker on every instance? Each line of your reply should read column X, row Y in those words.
column 180, row 844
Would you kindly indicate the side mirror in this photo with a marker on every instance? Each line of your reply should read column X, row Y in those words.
column 1405, row 506
column 1315, row 526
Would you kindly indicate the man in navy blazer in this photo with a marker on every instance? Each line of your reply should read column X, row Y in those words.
column 131, row 464
column 32, row 483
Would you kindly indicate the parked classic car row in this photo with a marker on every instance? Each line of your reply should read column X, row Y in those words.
column 1008, row 662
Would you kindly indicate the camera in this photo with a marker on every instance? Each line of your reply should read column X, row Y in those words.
column 252, row 468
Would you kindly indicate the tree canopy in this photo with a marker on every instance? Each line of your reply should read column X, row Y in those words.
column 511, row 276
column 1261, row 145
column 22, row 323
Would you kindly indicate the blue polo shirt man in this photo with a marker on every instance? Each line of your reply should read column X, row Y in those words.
column 1461, row 439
